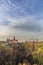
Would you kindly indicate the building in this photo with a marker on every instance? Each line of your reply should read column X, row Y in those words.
column 12, row 41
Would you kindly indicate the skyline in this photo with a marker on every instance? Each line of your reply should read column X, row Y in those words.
column 21, row 18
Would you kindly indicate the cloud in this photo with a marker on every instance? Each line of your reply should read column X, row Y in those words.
column 27, row 23
column 8, row 9
column 12, row 9
column 4, row 30
column 22, row 18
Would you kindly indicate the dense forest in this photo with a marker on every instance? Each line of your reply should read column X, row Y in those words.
column 13, row 54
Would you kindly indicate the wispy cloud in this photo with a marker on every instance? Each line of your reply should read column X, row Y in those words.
column 27, row 23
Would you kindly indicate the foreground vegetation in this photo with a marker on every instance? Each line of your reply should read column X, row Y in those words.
column 21, row 54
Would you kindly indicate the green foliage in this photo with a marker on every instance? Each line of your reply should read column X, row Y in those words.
column 40, row 61
column 35, row 59
column 26, row 46
column 15, row 46
column 2, row 47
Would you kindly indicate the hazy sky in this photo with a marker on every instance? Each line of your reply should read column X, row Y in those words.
column 21, row 18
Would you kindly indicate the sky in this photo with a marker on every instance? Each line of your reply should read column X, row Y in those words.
column 22, row 19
